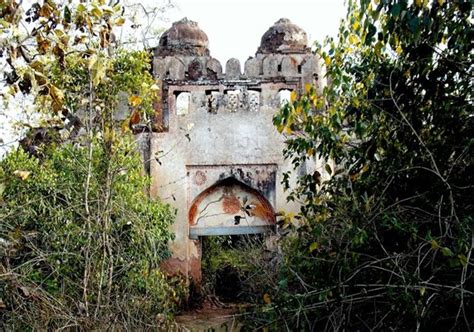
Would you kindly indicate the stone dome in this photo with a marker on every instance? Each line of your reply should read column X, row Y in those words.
column 183, row 38
column 284, row 37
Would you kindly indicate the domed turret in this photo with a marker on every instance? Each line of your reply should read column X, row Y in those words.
column 183, row 38
column 284, row 37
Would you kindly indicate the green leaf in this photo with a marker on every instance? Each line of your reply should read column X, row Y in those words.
column 463, row 260
column 328, row 169
column 447, row 252
column 283, row 284
column 67, row 14
column 413, row 23
column 81, row 8
column 396, row 9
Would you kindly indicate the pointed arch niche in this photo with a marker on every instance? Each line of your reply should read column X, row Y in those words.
column 230, row 207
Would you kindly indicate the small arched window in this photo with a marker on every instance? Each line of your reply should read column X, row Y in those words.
column 182, row 103
column 284, row 96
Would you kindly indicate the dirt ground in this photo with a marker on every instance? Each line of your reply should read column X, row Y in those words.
column 211, row 317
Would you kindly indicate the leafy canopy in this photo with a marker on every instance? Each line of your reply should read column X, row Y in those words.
column 393, row 225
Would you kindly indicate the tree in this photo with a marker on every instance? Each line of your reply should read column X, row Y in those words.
column 81, row 242
column 387, row 242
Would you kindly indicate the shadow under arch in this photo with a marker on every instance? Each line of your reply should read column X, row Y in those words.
column 230, row 207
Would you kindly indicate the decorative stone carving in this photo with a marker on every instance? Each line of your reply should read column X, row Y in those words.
column 232, row 69
column 233, row 100
column 253, row 100
column 182, row 103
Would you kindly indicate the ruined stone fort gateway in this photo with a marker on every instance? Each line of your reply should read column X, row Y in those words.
column 215, row 154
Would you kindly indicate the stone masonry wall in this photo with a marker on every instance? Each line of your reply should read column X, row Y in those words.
column 216, row 123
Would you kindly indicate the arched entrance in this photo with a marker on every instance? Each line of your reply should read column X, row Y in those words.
column 230, row 207
column 227, row 215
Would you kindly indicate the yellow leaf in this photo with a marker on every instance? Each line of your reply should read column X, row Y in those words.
column 399, row 50
column 4, row 23
column 120, row 21
column 434, row 244
column 134, row 101
column 81, row 8
column 440, row 2
column 421, row 3
column 96, row 12
column 266, row 298
column 355, row 25
column 307, row 87
column 353, row 39
column 92, row 61
column 293, row 96
column 57, row 96
column 378, row 48
column 22, row 174
column 125, row 126
column 313, row 246
column 310, row 152
column 108, row 10
column 422, row 291
column 327, row 61
column 288, row 131
column 98, row 73
column 154, row 87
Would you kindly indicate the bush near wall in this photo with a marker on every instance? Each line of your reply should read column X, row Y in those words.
column 92, row 262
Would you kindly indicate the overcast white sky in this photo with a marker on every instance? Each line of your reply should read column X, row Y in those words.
column 234, row 27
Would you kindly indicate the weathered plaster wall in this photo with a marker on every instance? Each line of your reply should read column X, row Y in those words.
column 218, row 124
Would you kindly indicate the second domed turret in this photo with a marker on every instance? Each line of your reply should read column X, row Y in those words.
column 284, row 37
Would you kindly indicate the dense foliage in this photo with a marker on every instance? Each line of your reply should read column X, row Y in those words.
column 49, row 241
column 387, row 241
column 81, row 242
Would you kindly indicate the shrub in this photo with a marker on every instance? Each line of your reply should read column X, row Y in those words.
column 81, row 245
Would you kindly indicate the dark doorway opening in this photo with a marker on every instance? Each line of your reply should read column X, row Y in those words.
column 227, row 264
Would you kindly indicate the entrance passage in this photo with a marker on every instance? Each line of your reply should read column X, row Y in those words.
column 230, row 207
column 228, row 263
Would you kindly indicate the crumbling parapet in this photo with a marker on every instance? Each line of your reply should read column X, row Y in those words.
column 283, row 53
